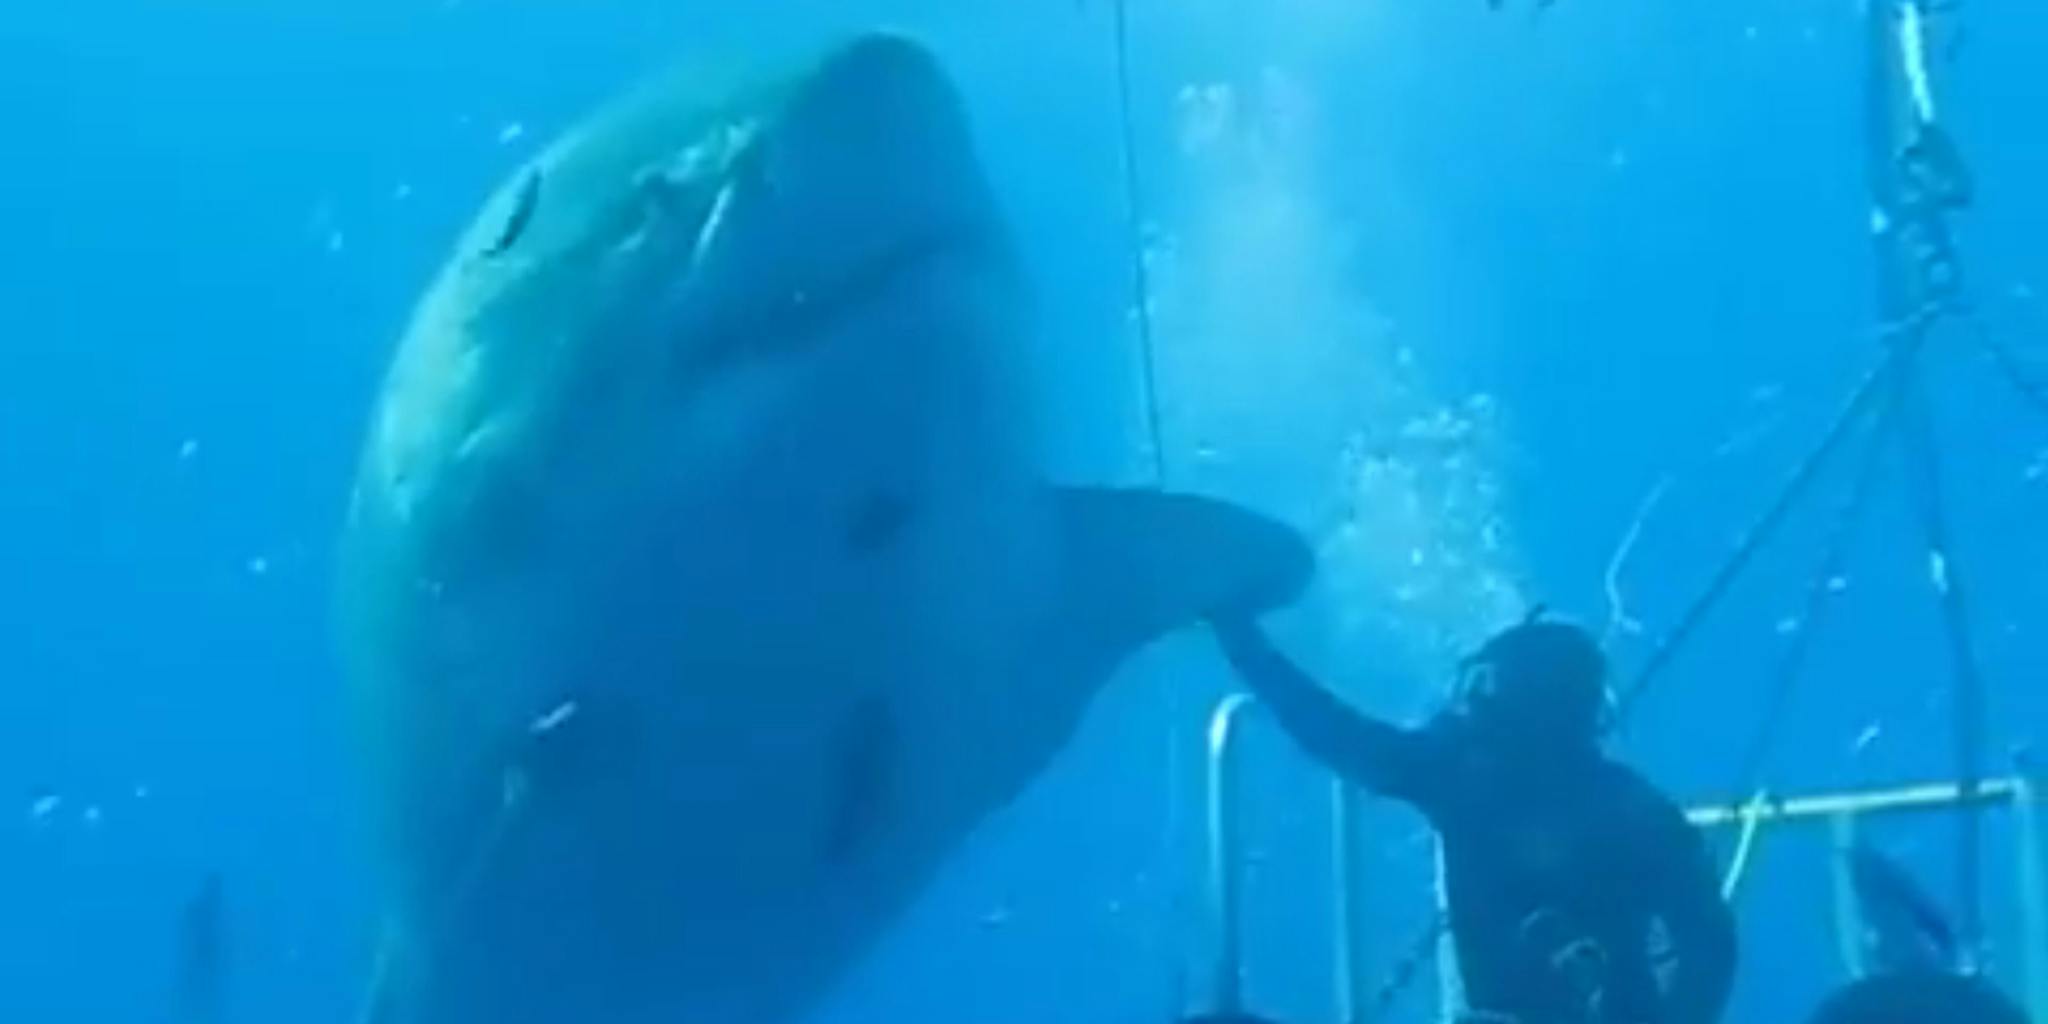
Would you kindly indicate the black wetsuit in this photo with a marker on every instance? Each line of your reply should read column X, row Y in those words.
column 1558, row 874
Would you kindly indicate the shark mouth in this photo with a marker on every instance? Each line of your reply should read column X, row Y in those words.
column 790, row 319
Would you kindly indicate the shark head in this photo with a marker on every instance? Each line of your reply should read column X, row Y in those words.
column 701, row 592
column 780, row 317
column 700, row 274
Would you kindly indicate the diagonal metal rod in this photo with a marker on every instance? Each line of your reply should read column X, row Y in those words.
column 1760, row 532
column 1821, row 589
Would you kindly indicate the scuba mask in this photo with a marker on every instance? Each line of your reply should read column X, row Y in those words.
column 1537, row 675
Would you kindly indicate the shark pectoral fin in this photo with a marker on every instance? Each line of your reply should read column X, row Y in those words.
column 1141, row 563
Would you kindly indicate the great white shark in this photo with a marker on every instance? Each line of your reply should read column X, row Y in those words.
column 700, row 589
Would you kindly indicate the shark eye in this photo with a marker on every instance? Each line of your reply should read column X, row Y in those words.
column 524, row 204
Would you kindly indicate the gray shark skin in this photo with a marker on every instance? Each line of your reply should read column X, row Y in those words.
column 699, row 592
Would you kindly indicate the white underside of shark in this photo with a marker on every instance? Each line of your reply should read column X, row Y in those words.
column 700, row 592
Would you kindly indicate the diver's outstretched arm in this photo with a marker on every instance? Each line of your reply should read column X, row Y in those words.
column 1367, row 752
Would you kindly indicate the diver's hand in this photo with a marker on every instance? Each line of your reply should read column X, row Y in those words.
column 1241, row 639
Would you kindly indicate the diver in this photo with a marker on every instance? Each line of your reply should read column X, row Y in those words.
column 1919, row 970
column 1578, row 894
column 1918, row 996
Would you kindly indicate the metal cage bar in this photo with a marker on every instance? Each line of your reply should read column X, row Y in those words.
column 1225, row 871
column 2033, row 892
column 1752, row 821
column 1848, row 909
column 1226, row 857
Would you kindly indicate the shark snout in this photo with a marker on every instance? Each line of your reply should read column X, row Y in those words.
column 874, row 156
column 864, row 175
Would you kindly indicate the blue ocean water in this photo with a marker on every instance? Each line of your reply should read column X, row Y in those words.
column 1456, row 291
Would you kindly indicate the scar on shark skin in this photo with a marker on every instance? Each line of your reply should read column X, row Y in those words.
column 523, row 209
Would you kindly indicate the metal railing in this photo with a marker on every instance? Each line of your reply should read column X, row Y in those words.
column 1225, row 872
column 1842, row 811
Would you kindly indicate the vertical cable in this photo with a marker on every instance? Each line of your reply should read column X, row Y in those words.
column 1967, row 680
column 1141, row 312
column 1141, row 275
